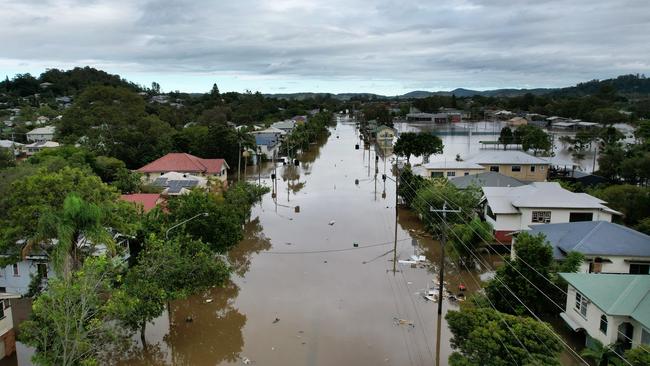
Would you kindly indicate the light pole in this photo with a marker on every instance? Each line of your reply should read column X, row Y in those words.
column 204, row 214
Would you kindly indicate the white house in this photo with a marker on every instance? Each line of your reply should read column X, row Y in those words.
column 15, row 278
column 188, row 164
column 174, row 183
column 7, row 333
column 609, row 307
column 607, row 247
column 510, row 209
column 16, row 147
column 268, row 144
column 41, row 134
column 286, row 126
column 448, row 169
column 35, row 147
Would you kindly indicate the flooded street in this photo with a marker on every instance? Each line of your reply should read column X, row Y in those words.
column 315, row 282
column 303, row 293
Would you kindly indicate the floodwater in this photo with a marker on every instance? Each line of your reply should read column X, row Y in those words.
column 315, row 279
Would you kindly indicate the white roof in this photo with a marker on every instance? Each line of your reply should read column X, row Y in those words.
column 513, row 157
column 47, row 130
column 8, row 144
column 270, row 130
column 43, row 144
column 507, row 200
column 288, row 124
column 453, row 164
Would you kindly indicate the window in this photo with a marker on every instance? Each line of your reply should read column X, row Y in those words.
column 15, row 267
column 532, row 169
column 491, row 214
column 581, row 304
column 516, row 168
column 541, row 217
column 436, row 174
column 645, row 336
column 580, row 216
column 466, row 173
column 451, row 174
column 494, row 168
column 42, row 269
column 603, row 324
column 640, row 268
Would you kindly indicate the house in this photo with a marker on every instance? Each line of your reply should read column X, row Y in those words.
column 271, row 131
column 384, row 135
column 41, row 120
column 517, row 121
column 286, row 126
column 185, row 163
column 15, row 278
column 267, row 144
column 36, row 147
column 16, row 147
column 485, row 179
column 299, row 119
column 7, row 333
column 175, row 184
column 513, row 163
column 510, row 209
column 41, row 134
column 610, row 308
column 607, row 247
column 448, row 169
column 148, row 201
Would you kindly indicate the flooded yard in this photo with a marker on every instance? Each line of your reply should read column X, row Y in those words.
column 315, row 280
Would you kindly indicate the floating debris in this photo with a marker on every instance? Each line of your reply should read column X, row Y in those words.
column 398, row 322
column 208, row 301
column 276, row 320
column 246, row 361
column 332, row 223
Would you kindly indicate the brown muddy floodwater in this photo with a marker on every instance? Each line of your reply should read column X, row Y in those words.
column 334, row 303
column 302, row 293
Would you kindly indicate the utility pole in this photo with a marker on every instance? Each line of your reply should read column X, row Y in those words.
column 593, row 168
column 441, row 275
column 239, row 162
column 396, row 213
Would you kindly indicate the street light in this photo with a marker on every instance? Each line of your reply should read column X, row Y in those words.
column 204, row 214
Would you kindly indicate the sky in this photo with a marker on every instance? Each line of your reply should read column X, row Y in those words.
column 387, row 47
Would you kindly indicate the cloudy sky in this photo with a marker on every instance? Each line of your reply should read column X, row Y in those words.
column 275, row 46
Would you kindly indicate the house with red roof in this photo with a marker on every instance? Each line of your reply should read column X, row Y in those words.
column 186, row 163
column 148, row 201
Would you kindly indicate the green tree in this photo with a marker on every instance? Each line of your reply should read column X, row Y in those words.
column 417, row 144
column 483, row 336
column 467, row 239
column 7, row 158
column 644, row 226
column 632, row 201
column 528, row 276
column 434, row 194
column 166, row 271
column 532, row 137
column 77, row 228
column 72, row 322
column 506, row 137
column 602, row 355
column 639, row 355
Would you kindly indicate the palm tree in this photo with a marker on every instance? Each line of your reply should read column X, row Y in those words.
column 70, row 234
column 602, row 355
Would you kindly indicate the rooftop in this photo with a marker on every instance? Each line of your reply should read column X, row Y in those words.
column 486, row 179
column 507, row 200
column 510, row 157
column 147, row 200
column 182, row 162
column 594, row 238
column 615, row 294
column 47, row 130
column 452, row 164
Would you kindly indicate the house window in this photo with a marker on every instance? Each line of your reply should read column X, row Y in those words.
column 42, row 269
column 516, row 168
column 581, row 304
column 15, row 268
column 603, row 324
column 491, row 214
column 541, row 217
column 494, row 168
column 640, row 268
column 466, row 173
column 645, row 336
column 532, row 169
column 436, row 174
column 580, row 216
column 451, row 174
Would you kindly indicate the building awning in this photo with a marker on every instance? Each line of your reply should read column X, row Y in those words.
column 570, row 322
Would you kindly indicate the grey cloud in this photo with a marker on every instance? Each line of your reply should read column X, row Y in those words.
column 471, row 43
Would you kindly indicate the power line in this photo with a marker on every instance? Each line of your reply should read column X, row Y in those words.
column 336, row 250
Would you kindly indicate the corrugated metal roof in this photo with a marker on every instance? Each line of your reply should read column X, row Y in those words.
column 615, row 294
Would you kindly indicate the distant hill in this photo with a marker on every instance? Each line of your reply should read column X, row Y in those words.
column 624, row 84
